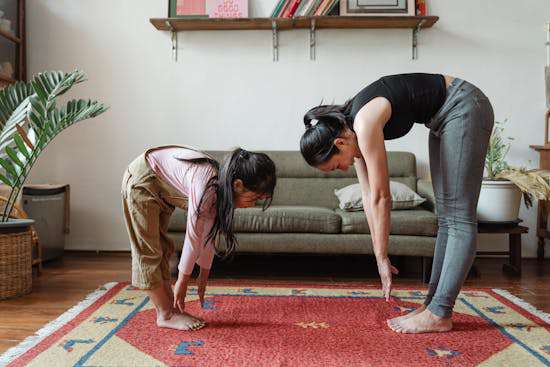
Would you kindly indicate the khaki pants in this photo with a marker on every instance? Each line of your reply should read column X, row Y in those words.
column 148, row 204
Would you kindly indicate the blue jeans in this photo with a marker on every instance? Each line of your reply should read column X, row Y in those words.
column 459, row 136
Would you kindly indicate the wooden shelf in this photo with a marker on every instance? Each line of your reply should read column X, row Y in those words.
column 7, row 79
column 9, row 36
column 327, row 22
column 540, row 147
column 174, row 25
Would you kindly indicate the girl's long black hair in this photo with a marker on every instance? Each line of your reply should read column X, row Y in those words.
column 323, row 124
column 255, row 170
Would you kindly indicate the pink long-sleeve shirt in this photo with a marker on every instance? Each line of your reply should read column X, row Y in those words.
column 191, row 180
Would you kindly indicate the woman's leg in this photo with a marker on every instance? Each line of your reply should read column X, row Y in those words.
column 441, row 241
column 443, row 230
column 464, row 140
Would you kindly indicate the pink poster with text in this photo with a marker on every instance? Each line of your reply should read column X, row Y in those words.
column 227, row 8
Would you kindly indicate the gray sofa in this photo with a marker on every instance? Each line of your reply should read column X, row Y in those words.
column 304, row 216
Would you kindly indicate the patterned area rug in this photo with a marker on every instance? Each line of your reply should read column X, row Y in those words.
column 282, row 325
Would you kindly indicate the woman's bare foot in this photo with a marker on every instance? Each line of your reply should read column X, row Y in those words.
column 396, row 320
column 180, row 321
column 424, row 322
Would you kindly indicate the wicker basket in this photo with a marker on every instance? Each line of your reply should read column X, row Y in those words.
column 16, row 241
column 15, row 263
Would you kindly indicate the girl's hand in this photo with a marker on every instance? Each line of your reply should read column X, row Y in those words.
column 180, row 291
column 201, row 284
column 386, row 269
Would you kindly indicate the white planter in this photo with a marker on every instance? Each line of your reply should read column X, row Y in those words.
column 499, row 201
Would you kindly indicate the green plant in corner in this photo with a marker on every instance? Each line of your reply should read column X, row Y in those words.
column 496, row 151
column 30, row 119
column 533, row 183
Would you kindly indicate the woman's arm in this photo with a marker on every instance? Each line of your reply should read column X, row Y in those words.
column 363, row 177
column 374, row 178
column 369, row 125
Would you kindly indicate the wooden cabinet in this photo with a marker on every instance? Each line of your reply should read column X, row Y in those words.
column 13, row 65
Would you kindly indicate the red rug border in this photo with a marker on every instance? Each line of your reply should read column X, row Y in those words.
column 65, row 329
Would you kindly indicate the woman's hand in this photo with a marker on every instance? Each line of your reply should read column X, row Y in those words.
column 180, row 291
column 386, row 269
column 201, row 284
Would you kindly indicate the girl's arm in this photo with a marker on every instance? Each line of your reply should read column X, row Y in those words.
column 374, row 178
column 195, row 249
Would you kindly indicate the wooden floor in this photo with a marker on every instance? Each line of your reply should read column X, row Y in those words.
column 65, row 283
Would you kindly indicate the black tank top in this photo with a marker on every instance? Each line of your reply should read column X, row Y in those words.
column 413, row 97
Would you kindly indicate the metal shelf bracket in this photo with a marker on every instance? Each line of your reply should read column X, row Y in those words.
column 275, row 36
column 416, row 31
column 547, row 44
column 174, row 39
column 312, row 40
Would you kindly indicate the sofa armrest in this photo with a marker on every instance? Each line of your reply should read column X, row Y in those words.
column 425, row 189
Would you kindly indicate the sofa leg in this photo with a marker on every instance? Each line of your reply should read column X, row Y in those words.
column 426, row 269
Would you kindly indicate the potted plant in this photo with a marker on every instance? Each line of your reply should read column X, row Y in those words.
column 29, row 120
column 502, row 188
column 499, row 198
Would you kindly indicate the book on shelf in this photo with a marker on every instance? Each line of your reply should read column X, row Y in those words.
column 310, row 9
column 300, row 8
column 326, row 7
column 276, row 9
column 292, row 8
column 303, row 8
column 282, row 8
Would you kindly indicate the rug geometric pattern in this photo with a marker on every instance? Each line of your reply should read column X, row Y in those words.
column 293, row 326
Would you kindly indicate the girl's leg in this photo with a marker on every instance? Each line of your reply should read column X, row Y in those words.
column 142, row 214
column 168, row 250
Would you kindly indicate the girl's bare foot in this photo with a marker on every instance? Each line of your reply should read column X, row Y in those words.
column 396, row 320
column 170, row 290
column 180, row 321
column 423, row 322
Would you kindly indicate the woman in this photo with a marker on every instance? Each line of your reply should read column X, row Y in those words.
column 172, row 176
column 460, row 119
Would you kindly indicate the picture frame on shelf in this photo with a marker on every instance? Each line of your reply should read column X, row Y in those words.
column 187, row 9
column 227, row 8
column 377, row 8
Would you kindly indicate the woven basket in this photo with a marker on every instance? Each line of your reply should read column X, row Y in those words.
column 15, row 264
column 16, row 241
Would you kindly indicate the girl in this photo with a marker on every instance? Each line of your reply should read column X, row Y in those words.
column 460, row 119
column 173, row 176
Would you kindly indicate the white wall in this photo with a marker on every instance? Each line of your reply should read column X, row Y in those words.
column 225, row 90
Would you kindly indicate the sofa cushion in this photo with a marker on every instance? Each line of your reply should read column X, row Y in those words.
column 276, row 219
column 287, row 219
column 402, row 197
column 324, row 243
column 419, row 222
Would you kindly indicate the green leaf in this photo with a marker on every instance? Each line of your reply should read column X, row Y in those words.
column 22, row 146
column 8, row 166
column 6, row 181
column 15, row 159
column 30, row 119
